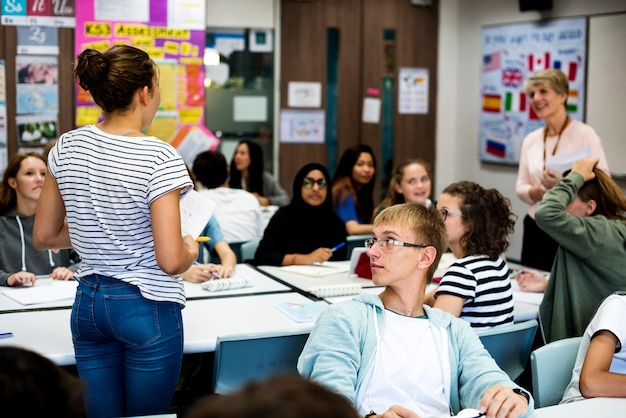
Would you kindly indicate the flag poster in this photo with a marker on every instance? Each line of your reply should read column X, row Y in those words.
column 511, row 54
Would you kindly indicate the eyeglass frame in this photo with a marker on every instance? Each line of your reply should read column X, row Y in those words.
column 390, row 243
column 309, row 182
column 445, row 212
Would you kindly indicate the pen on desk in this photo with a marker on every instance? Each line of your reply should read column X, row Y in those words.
column 338, row 246
column 203, row 239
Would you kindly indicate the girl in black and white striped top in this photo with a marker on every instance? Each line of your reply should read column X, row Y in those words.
column 476, row 287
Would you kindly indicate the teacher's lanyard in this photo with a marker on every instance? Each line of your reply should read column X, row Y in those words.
column 558, row 139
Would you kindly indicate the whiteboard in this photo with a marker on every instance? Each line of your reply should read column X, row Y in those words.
column 606, row 87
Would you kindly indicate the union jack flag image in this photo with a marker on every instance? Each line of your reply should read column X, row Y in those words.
column 512, row 77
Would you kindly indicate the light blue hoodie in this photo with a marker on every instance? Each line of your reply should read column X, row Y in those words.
column 341, row 348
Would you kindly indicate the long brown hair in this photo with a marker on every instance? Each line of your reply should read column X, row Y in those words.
column 393, row 197
column 608, row 196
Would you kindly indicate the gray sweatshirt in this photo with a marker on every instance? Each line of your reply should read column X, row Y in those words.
column 17, row 252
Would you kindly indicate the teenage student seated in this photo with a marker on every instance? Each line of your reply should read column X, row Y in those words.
column 391, row 354
column 353, row 189
column 237, row 211
column 20, row 262
column 600, row 368
column 477, row 286
column 585, row 212
column 306, row 230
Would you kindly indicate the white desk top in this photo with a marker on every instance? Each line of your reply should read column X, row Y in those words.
column 48, row 332
column 595, row 407
column 261, row 284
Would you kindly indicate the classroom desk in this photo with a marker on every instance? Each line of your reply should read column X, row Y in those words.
column 48, row 332
column 303, row 283
column 595, row 407
column 262, row 284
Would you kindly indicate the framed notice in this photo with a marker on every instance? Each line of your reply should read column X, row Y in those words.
column 511, row 54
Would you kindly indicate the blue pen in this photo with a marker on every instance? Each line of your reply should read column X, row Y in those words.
column 338, row 246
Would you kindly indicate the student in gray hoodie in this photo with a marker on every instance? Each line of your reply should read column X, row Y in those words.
column 20, row 262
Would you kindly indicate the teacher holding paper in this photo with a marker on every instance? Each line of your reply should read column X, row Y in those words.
column 547, row 92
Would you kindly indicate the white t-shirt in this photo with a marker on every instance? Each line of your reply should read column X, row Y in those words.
column 237, row 211
column 407, row 370
column 610, row 317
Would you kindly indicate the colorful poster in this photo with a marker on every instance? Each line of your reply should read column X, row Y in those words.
column 413, row 91
column 511, row 54
column 177, row 51
column 302, row 126
column 58, row 13
column 37, row 89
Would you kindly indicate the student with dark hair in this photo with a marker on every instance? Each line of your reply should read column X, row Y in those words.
column 20, row 261
column 305, row 231
column 281, row 396
column 114, row 194
column 585, row 213
column 237, row 211
column 477, row 286
column 353, row 189
column 33, row 386
column 247, row 172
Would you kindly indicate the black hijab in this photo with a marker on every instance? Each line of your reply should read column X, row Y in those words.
column 302, row 228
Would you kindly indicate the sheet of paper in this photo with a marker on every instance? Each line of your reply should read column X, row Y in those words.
column 528, row 297
column 195, row 212
column 321, row 270
column 563, row 162
column 53, row 292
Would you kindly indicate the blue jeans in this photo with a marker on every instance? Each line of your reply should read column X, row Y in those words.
column 128, row 349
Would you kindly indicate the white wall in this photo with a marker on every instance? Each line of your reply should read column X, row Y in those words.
column 240, row 13
column 459, row 83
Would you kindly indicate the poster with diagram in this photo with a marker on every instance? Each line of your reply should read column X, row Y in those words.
column 511, row 54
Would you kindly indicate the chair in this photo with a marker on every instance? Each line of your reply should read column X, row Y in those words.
column 248, row 248
column 247, row 358
column 510, row 346
column 552, row 367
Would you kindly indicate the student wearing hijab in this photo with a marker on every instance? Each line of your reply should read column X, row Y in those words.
column 305, row 231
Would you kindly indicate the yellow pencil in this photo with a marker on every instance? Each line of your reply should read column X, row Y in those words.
column 203, row 239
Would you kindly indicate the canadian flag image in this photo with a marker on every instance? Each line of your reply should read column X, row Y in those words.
column 538, row 62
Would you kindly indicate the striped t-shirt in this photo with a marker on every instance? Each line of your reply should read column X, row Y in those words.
column 107, row 183
column 485, row 285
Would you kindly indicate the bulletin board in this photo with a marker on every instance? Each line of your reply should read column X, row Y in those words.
column 511, row 54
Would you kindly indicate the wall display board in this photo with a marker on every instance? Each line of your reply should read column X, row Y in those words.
column 175, row 41
column 57, row 13
column 511, row 54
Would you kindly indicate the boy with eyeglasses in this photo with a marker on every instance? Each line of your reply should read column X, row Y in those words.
column 394, row 357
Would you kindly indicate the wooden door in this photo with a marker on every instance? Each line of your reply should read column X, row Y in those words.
column 355, row 47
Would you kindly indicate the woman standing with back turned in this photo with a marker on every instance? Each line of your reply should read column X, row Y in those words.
column 120, row 192
column 548, row 91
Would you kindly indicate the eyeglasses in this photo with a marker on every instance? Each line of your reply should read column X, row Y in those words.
column 389, row 243
column 446, row 212
column 308, row 182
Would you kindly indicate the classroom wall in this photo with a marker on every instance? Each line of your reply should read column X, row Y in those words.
column 459, row 83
